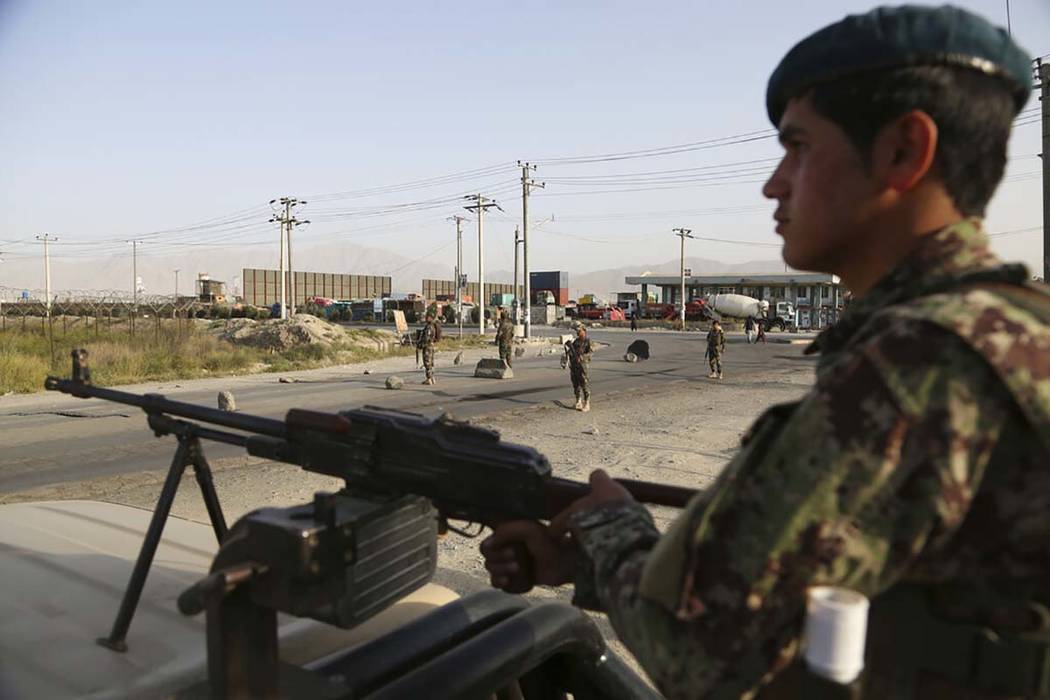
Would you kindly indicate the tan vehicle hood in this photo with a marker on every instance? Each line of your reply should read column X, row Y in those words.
column 63, row 569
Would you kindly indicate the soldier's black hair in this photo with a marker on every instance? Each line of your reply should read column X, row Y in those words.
column 973, row 113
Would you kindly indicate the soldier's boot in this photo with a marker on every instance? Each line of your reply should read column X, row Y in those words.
column 586, row 405
column 719, row 375
column 431, row 381
column 579, row 404
column 711, row 374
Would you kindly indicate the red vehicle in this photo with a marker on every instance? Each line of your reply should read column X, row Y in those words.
column 594, row 312
column 696, row 310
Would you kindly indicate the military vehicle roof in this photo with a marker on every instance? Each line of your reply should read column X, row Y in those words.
column 65, row 565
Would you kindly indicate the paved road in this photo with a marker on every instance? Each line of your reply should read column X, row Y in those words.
column 38, row 447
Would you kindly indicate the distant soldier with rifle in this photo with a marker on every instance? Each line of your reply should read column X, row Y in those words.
column 916, row 470
column 716, row 346
column 505, row 338
column 429, row 335
column 577, row 356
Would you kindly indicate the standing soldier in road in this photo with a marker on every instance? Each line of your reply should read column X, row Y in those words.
column 749, row 329
column 578, row 356
column 716, row 345
column 916, row 471
column 634, row 319
column 505, row 338
column 428, row 337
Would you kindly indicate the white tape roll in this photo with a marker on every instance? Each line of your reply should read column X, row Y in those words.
column 836, row 627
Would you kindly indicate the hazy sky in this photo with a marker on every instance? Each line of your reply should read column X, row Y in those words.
column 123, row 119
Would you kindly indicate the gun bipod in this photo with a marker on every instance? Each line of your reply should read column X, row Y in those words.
column 189, row 453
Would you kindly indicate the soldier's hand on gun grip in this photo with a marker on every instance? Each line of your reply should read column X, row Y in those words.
column 523, row 553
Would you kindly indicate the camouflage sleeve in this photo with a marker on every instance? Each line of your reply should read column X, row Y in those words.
column 875, row 466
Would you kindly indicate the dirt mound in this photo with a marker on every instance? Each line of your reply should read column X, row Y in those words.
column 278, row 334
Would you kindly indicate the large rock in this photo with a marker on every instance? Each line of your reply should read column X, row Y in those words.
column 493, row 369
column 394, row 382
column 226, row 402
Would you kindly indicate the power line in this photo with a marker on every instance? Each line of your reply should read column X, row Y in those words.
column 736, row 139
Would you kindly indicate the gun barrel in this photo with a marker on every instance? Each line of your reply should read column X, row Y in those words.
column 562, row 492
column 157, row 403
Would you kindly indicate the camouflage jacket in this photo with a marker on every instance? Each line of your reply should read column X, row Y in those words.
column 716, row 340
column 579, row 352
column 920, row 455
column 505, row 334
column 427, row 335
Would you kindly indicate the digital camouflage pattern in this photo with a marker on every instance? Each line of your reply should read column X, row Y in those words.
column 427, row 340
column 505, row 340
column 716, row 345
column 920, row 456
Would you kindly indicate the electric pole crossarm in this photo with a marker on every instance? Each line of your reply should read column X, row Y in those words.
column 46, row 239
column 683, row 233
column 288, row 223
column 480, row 206
column 527, row 185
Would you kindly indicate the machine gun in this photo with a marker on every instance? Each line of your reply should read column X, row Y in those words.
column 346, row 556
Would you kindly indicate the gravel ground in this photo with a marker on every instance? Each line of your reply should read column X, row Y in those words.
column 681, row 436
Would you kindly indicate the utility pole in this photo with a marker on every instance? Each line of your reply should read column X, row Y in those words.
column 480, row 205
column 1043, row 75
column 288, row 223
column 176, row 285
column 517, row 287
column 459, row 270
column 683, row 233
column 47, row 238
column 527, row 184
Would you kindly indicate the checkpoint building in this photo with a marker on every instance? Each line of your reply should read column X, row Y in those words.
column 817, row 296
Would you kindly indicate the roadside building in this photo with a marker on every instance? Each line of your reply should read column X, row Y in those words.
column 817, row 296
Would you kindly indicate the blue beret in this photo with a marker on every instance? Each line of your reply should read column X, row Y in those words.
column 898, row 37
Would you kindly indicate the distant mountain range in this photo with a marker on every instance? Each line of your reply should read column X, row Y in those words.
column 158, row 276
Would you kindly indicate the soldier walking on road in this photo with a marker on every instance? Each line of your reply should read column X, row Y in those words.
column 716, row 345
column 578, row 356
column 428, row 337
column 749, row 329
column 505, row 338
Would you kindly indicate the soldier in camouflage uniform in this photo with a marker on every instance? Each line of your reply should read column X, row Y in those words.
column 917, row 469
column 578, row 356
column 427, row 339
column 505, row 338
column 716, row 345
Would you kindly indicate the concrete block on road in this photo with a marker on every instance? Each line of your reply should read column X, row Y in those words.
column 394, row 382
column 493, row 369
column 226, row 402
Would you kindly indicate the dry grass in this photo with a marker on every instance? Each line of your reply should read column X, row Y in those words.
column 168, row 351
